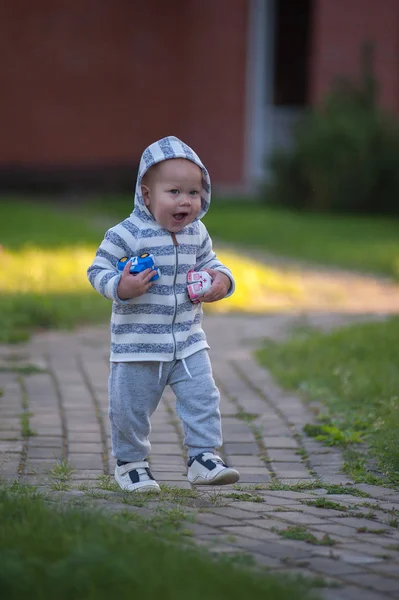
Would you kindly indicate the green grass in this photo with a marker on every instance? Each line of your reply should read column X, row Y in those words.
column 45, row 224
column 325, row 503
column 363, row 243
column 370, row 530
column 370, row 244
column 354, row 373
column 366, row 244
column 298, row 532
column 23, row 314
column 70, row 553
column 303, row 486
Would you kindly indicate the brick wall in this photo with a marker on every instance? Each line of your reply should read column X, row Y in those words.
column 339, row 29
column 93, row 82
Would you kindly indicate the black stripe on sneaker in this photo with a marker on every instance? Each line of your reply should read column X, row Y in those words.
column 208, row 464
column 134, row 476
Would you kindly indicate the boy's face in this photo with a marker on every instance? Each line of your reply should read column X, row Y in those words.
column 172, row 192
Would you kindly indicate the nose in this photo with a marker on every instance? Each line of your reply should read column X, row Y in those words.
column 185, row 201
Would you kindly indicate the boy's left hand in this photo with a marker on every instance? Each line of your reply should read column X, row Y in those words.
column 219, row 288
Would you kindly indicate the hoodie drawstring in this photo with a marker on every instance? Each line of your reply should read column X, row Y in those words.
column 184, row 365
column 186, row 368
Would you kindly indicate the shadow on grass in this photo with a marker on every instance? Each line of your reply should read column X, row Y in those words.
column 69, row 553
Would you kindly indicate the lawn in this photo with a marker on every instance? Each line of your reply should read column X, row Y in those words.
column 46, row 249
column 87, row 555
column 367, row 244
column 353, row 242
column 354, row 374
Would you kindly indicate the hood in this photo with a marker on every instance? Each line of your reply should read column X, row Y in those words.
column 169, row 147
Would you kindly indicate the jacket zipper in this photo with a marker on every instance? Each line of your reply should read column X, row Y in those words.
column 175, row 243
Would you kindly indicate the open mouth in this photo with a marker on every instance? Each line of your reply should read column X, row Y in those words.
column 180, row 217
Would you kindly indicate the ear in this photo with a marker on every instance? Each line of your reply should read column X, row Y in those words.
column 146, row 194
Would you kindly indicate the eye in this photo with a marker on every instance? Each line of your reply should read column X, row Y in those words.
column 194, row 193
column 174, row 192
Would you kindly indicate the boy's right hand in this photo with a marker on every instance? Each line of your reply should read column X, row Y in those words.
column 133, row 286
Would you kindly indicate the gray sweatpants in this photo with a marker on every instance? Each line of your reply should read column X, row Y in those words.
column 135, row 389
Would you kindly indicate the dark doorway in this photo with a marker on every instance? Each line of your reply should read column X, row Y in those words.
column 291, row 52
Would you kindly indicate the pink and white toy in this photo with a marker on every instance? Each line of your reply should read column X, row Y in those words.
column 198, row 283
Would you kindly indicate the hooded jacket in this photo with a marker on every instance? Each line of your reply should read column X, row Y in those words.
column 163, row 324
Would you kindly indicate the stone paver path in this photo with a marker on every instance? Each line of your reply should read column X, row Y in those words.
column 353, row 545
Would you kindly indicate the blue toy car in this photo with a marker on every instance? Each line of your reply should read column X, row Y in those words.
column 139, row 264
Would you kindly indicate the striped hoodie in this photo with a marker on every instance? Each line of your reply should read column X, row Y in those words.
column 163, row 324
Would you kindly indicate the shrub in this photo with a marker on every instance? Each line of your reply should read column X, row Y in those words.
column 344, row 156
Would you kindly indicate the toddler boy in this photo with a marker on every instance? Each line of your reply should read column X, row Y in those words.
column 156, row 333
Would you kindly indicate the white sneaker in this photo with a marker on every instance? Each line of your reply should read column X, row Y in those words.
column 136, row 477
column 209, row 469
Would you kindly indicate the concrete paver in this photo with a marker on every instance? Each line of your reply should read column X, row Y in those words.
column 66, row 408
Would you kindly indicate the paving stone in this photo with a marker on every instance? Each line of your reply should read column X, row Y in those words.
column 47, row 430
column 388, row 568
column 234, row 513
column 237, row 436
column 46, row 452
column 322, row 512
column 373, row 581
column 178, row 466
column 335, row 529
column 251, row 523
column 355, row 559
column 289, row 470
column 283, row 456
column 9, row 466
column 329, row 566
column 7, row 435
column 269, row 521
column 40, row 465
column 241, row 448
column 85, row 427
column 84, row 436
column 251, row 532
column 89, row 474
column 294, row 480
column 251, row 460
column 288, row 494
column 10, row 446
column 248, row 478
column 10, row 424
column 375, row 491
column 336, row 480
column 84, row 447
column 36, row 480
column 280, row 442
column 256, row 507
column 357, row 593
column 199, row 529
column 215, row 520
column 86, row 461
column 42, row 441
column 300, row 518
column 165, row 449
column 171, row 476
column 276, row 549
column 357, row 523
column 394, row 498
